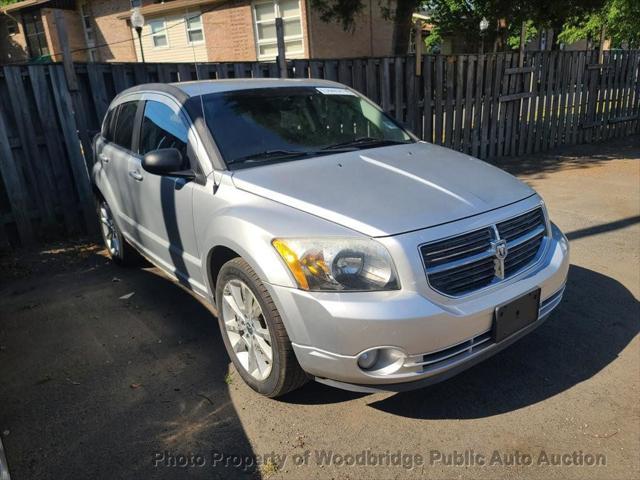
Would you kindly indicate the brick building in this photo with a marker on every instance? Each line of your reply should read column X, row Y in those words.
column 185, row 31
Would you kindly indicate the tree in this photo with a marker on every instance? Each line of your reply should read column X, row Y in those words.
column 462, row 17
column 346, row 11
column 621, row 18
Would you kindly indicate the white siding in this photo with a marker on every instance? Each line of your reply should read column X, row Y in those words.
column 178, row 48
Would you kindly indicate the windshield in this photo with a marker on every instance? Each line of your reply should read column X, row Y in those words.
column 268, row 125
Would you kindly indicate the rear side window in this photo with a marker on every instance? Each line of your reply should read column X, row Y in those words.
column 162, row 128
column 107, row 126
column 125, row 124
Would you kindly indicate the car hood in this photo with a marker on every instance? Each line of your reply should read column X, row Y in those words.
column 388, row 190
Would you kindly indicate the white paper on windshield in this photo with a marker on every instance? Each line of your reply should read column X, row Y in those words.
column 335, row 91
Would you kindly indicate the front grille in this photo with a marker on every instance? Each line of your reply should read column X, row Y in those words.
column 521, row 225
column 468, row 262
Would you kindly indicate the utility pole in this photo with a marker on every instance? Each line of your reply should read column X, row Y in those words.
column 281, row 60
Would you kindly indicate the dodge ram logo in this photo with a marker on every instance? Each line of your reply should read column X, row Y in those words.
column 501, row 250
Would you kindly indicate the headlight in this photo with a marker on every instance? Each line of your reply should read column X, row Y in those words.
column 338, row 264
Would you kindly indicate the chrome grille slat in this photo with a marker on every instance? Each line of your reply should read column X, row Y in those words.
column 464, row 269
column 468, row 346
column 461, row 262
column 460, row 240
column 471, row 284
column 479, row 270
column 513, row 228
column 466, row 262
column 451, row 249
column 474, row 247
column 465, row 283
column 523, row 249
column 515, row 232
column 522, row 258
column 538, row 230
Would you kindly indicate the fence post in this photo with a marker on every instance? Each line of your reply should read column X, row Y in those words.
column 282, row 61
column 67, row 61
column 523, row 40
column 15, row 188
column 603, row 33
column 418, row 40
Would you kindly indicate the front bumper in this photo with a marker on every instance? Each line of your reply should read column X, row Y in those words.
column 463, row 359
column 439, row 338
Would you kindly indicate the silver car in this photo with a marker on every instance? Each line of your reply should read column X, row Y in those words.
column 333, row 244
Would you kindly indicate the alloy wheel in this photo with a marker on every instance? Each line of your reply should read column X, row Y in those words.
column 109, row 232
column 247, row 329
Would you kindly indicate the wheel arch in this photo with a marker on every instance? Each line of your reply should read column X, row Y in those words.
column 216, row 258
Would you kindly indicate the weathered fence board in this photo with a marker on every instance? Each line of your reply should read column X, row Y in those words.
column 487, row 105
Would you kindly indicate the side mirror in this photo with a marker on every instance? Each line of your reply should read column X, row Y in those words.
column 165, row 161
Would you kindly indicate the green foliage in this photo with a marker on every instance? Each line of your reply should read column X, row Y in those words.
column 346, row 13
column 432, row 42
column 514, row 34
column 4, row 3
column 342, row 11
column 462, row 17
column 620, row 17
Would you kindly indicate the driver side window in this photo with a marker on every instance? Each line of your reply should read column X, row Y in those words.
column 163, row 128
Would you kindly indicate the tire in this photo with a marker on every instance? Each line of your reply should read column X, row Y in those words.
column 285, row 373
column 117, row 247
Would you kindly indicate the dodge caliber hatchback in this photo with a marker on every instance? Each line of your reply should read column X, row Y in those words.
column 333, row 244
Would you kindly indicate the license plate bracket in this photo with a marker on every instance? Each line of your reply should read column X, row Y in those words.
column 515, row 315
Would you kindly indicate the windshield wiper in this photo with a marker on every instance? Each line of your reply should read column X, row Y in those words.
column 276, row 154
column 271, row 154
column 364, row 142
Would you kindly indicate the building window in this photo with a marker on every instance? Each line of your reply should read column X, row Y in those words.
column 194, row 29
column 36, row 38
column 265, row 14
column 159, row 33
column 89, row 32
column 12, row 26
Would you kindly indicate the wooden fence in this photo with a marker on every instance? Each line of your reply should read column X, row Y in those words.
column 489, row 106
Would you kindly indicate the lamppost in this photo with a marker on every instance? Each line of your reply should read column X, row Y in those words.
column 484, row 24
column 137, row 22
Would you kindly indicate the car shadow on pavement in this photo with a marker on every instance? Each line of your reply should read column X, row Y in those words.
column 595, row 322
column 120, row 371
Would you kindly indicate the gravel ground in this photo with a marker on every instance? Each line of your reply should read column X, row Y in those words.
column 98, row 383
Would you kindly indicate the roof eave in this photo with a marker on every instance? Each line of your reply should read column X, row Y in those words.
column 161, row 8
column 14, row 7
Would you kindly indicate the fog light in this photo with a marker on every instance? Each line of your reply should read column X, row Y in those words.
column 382, row 361
column 368, row 359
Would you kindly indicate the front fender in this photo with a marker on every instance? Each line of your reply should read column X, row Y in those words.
column 247, row 223
column 235, row 230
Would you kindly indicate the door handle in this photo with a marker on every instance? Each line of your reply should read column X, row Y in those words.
column 136, row 175
column 103, row 158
